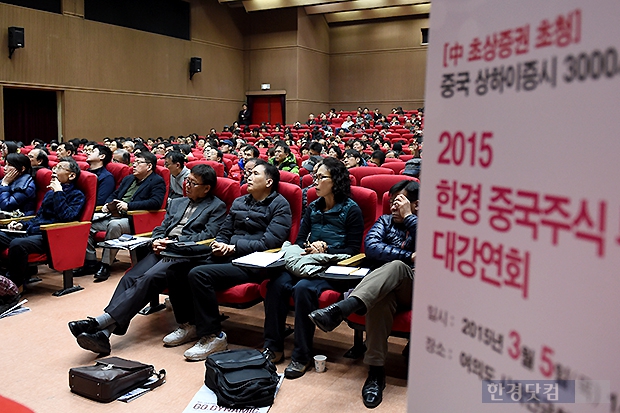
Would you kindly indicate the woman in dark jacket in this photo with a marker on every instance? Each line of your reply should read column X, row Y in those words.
column 17, row 189
column 332, row 224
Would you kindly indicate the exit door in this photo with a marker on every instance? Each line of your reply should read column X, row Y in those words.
column 268, row 109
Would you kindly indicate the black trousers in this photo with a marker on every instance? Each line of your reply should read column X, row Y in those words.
column 305, row 293
column 142, row 282
column 20, row 245
column 193, row 288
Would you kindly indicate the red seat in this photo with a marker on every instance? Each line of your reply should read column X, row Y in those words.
column 381, row 184
column 249, row 294
column 362, row 171
column 118, row 171
column 365, row 199
column 289, row 177
column 396, row 167
column 218, row 167
column 59, row 257
column 145, row 221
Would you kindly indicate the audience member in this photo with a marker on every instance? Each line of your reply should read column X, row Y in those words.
column 175, row 162
column 98, row 158
column 17, row 189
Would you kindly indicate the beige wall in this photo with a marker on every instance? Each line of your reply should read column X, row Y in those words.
column 119, row 81
column 115, row 81
column 378, row 65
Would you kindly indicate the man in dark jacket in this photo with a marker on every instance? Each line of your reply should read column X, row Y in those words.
column 63, row 203
column 193, row 218
column 98, row 157
column 256, row 222
column 142, row 190
column 386, row 289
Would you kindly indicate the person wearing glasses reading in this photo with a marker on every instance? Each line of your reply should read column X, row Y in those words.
column 144, row 189
column 332, row 224
column 193, row 218
column 63, row 203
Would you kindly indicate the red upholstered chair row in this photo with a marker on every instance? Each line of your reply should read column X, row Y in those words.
column 381, row 184
column 58, row 256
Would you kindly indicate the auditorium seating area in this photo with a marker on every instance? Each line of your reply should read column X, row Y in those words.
column 369, row 187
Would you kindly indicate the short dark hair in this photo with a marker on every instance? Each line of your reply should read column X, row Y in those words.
column 176, row 157
column 272, row 173
column 336, row 149
column 19, row 161
column 284, row 146
column 355, row 154
column 340, row 179
column 42, row 156
column 106, row 152
column 412, row 188
column 11, row 147
column 69, row 147
column 73, row 166
column 316, row 147
column 149, row 158
column 379, row 155
column 254, row 149
column 207, row 175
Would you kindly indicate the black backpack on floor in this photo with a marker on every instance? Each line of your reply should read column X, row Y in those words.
column 241, row 378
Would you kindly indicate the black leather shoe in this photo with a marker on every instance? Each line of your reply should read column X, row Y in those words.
column 274, row 356
column 90, row 267
column 372, row 392
column 78, row 327
column 327, row 318
column 97, row 342
column 295, row 369
column 102, row 273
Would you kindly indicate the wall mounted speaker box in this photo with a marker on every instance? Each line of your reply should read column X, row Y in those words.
column 195, row 65
column 16, row 37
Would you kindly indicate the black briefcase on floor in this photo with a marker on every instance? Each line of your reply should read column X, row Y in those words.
column 112, row 377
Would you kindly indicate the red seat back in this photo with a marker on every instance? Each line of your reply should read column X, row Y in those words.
column 41, row 180
column 227, row 190
column 291, row 178
column 218, row 167
column 361, row 171
column 87, row 183
column 396, row 167
column 381, row 184
column 292, row 193
column 118, row 171
column 165, row 174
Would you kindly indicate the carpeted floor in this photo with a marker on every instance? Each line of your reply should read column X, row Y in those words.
column 37, row 350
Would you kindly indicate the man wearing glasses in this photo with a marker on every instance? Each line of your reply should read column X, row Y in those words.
column 142, row 190
column 63, row 203
column 175, row 162
column 192, row 218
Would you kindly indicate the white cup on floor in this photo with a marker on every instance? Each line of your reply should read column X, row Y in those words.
column 319, row 363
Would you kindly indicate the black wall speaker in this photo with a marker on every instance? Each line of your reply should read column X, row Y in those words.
column 195, row 66
column 16, row 37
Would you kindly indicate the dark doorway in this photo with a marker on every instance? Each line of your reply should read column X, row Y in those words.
column 30, row 114
column 268, row 109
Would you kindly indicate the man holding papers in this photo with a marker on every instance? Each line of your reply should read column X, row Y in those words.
column 386, row 289
column 192, row 218
column 256, row 222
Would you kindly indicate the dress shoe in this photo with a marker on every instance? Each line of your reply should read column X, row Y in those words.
column 273, row 356
column 102, row 273
column 295, row 369
column 97, row 342
column 372, row 392
column 90, row 267
column 327, row 318
column 78, row 327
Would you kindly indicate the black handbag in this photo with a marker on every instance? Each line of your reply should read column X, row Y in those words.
column 188, row 249
column 112, row 377
column 241, row 378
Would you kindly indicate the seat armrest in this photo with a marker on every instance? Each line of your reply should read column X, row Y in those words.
column 144, row 211
column 353, row 261
column 58, row 225
column 6, row 221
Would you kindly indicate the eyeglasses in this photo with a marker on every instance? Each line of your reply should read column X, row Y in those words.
column 192, row 184
column 60, row 166
column 137, row 162
column 321, row 177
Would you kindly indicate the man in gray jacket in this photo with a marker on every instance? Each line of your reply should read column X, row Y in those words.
column 192, row 218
